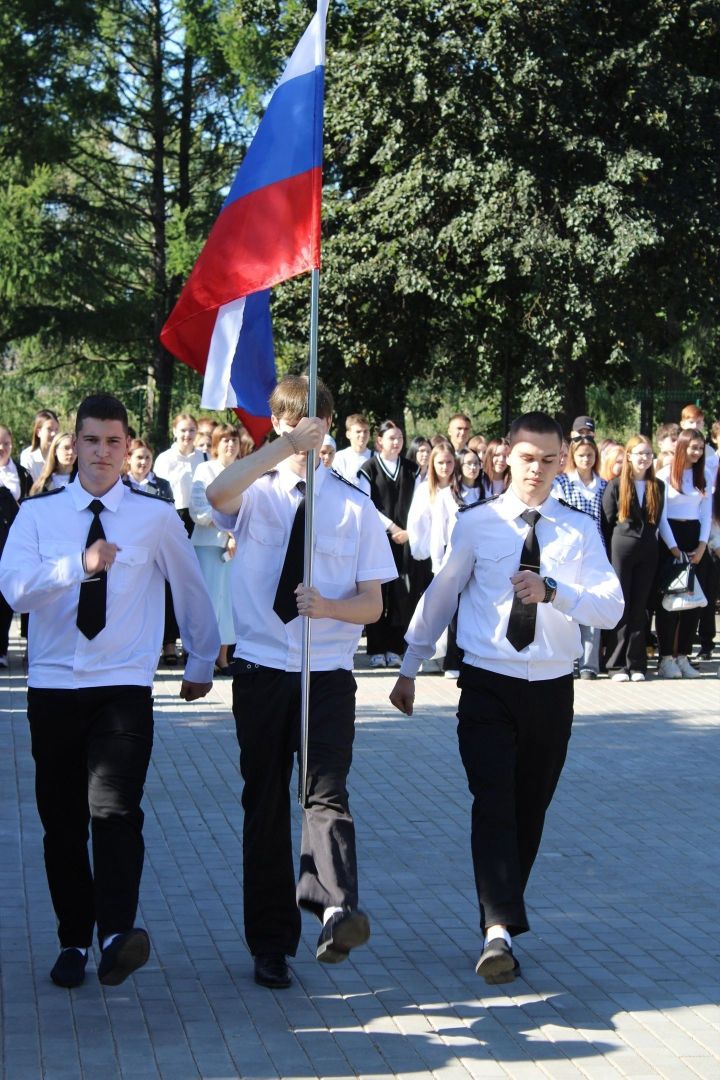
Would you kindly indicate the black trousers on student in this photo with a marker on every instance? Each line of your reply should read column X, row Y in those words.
column 6, row 615
column 635, row 563
column 92, row 750
column 266, row 706
column 513, row 737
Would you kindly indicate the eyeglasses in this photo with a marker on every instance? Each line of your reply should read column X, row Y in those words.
column 582, row 438
column 641, row 453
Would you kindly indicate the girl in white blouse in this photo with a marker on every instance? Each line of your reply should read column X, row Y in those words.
column 684, row 527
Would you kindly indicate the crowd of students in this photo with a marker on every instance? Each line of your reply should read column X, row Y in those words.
column 651, row 505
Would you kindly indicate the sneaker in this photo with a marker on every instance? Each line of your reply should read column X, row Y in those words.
column 431, row 667
column 637, row 676
column 668, row 668
column 703, row 654
column 686, row 669
column 377, row 660
column 451, row 673
column 587, row 674
column 392, row 659
column 621, row 676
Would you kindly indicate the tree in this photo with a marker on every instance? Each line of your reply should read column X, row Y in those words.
column 521, row 197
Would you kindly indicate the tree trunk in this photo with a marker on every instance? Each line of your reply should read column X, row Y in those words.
column 160, row 383
column 575, row 389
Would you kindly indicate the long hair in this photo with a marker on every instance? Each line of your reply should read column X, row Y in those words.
column 628, row 494
column 679, row 462
column 51, row 463
column 40, row 418
column 432, row 480
column 608, row 458
column 575, row 444
column 487, row 462
column 458, row 479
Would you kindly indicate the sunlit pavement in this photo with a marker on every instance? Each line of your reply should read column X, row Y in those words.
column 620, row 971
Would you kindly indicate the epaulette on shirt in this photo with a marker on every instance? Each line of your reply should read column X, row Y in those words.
column 349, row 483
column 577, row 509
column 146, row 494
column 481, row 502
column 42, row 494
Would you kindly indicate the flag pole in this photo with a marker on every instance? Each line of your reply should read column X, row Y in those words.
column 309, row 536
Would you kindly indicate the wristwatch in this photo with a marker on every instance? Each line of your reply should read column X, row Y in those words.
column 550, row 590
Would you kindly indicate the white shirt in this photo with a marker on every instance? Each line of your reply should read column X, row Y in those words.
column 10, row 478
column 33, row 461
column 206, row 532
column 419, row 522
column 689, row 504
column 178, row 469
column 41, row 571
column 350, row 547
column 347, row 462
column 483, row 555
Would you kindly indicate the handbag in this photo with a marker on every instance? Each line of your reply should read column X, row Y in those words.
column 685, row 601
column 678, row 577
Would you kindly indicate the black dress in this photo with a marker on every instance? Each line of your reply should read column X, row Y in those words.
column 392, row 496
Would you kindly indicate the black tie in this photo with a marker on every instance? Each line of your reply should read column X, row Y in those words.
column 521, row 625
column 93, row 592
column 293, row 569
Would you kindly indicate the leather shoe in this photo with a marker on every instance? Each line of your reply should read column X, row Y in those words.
column 497, row 963
column 343, row 931
column 125, row 954
column 69, row 968
column 272, row 971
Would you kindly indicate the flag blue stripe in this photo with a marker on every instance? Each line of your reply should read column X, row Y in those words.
column 252, row 373
column 289, row 139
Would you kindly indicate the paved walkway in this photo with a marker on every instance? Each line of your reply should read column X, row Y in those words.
column 621, row 974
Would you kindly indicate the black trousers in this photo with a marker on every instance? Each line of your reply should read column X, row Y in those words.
column 513, row 737
column 92, row 750
column 6, row 614
column 709, row 570
column 266, row 706
column 635, row 563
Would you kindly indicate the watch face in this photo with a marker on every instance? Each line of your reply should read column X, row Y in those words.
column 551, row 583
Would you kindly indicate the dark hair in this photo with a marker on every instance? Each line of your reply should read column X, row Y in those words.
column 679, row 462
column 289, row 399
column 536, row 423
column 101, row 407
column 416, row 443
column 666, row 430
column 387, row 425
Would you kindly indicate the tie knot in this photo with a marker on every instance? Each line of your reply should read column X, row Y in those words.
column 530, row 517
column 300, row 486
column 96, row 506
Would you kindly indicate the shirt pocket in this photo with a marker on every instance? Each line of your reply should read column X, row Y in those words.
column 126, row 572
column 496, row 559
column 266, row 545
column 561, row 560
column 335, row 564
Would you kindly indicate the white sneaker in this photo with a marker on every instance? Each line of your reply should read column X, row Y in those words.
column 451, row 673
column 377, row 660
column 392, row 659
column 668, row 669
column 686, row 669
column 431, row 667
column 637, row 676
column 621, row 676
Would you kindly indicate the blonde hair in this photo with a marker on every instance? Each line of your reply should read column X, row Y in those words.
column 51, row 463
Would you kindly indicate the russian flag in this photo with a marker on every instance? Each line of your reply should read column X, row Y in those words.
column 268, row 230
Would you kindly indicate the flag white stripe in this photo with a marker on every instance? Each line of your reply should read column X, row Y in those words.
column 310, row 50
column 217, row 391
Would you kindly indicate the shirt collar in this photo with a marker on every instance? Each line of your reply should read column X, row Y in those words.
column 289, row 479
column 111, row 499
column 511, row 506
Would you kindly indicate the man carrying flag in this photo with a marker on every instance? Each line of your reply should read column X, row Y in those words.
column 260, row 499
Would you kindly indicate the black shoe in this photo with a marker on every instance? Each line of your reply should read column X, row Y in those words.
column 125, row 954
column 497, row 963
column 272, row 971
column 343, row 931
column 702, row 654
column 69, row 968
